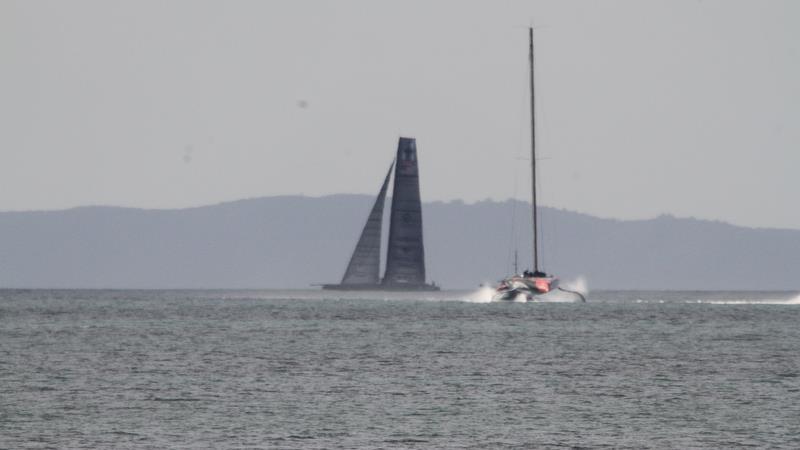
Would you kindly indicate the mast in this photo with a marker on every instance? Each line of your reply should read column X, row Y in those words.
column 533, row 161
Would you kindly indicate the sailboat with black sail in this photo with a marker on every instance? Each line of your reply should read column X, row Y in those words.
column 405, row 255
column 530, row 285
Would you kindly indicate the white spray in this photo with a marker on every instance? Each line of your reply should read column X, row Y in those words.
column 482, row 295
column 486, row 293
column 578, row 285
column 762, row 301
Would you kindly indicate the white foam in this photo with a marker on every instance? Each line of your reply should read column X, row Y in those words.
column 767, row 301
column 482, row 295
column 578, row 285
column 486, row 293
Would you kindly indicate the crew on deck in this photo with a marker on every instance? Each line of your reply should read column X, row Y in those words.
column 537, row 274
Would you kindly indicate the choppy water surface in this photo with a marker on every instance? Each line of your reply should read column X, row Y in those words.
column 303, row 369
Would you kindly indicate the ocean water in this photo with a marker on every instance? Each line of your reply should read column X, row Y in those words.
column 311, row 369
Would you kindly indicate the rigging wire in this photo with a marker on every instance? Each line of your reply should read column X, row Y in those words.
column 521, row 155
column 543, row 253
column 541, row 97
column 545, row 138
column 512, row 243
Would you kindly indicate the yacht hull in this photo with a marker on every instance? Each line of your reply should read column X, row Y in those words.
column 382, row 287
column 517, row 288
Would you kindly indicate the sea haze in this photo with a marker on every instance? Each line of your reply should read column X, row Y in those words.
column 315, row 369
column 292, row 242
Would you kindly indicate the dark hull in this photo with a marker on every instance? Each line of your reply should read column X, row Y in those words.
column 511, row 295
column 382, row 287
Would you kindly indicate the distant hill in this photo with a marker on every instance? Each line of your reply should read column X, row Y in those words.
column 292, row 241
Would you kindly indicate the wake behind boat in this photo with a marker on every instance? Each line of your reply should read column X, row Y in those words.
column 530, row 286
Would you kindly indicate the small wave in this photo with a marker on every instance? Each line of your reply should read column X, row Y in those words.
column 124, row 433
column 766, row 301
column 405, row 441
column 724, row 301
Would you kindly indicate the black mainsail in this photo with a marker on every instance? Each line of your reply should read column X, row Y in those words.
column 364, row 266
column 405, row 260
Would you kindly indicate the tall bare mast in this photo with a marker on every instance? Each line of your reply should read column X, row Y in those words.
column 533, row 162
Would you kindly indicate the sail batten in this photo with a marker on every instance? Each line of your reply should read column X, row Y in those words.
column 364, row 266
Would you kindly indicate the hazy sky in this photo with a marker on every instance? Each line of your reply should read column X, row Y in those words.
column 645, row 107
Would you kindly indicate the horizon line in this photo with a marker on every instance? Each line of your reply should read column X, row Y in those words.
column 662, row 215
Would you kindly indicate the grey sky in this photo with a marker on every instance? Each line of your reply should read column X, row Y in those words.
column 682, row 107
